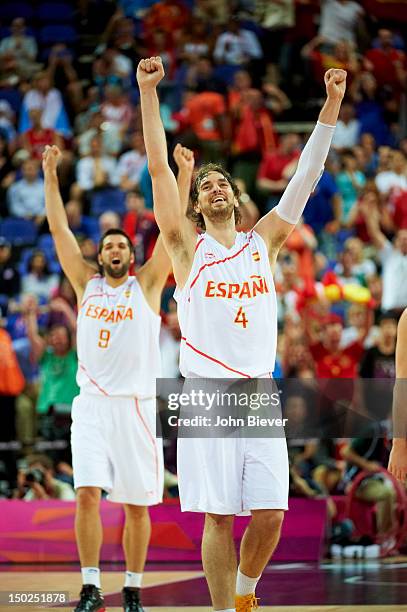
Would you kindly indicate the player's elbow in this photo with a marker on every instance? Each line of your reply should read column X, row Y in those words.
column 158, row 168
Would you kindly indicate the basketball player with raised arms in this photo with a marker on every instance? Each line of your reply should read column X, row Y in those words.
column 398, row 455
column 228, row 316
column 114, row 447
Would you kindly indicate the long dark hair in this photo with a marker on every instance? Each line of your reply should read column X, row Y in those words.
column 199, row 177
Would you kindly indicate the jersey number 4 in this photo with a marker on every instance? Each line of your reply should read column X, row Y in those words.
column 104, row 337
column 241, row 318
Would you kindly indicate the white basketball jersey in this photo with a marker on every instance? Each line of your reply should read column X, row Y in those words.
column 118, row 347
column 227, row 310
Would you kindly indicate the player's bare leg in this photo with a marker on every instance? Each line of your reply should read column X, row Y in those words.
column 88, row 525
column 258, row 544
column 136, row 536
column 219, row 560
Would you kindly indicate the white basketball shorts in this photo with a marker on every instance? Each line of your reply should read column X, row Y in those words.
column 114, row 447
column 232, row 475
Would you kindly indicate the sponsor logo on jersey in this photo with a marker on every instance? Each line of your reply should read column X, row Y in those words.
column 127, row 293
column 254, row 286
column 210, row 256
column 256, row 256
column 120, row 313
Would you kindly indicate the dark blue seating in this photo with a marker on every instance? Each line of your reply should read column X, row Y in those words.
column 11, row 10
column 49, row 12
column 108, row 199
column 19, row 232
column 52, row 34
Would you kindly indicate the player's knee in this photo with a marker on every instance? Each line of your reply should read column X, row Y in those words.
column 136, row 512
column 88, row 498
column 219, row 521
column 268, row 520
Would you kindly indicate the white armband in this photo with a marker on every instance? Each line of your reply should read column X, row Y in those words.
column 309, row 170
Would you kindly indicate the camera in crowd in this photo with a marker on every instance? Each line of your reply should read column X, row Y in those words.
column 35, row 475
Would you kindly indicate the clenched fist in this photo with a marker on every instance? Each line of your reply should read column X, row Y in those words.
column 184, row 158
column 150, row 71
column 335, row 83
column 50, row 158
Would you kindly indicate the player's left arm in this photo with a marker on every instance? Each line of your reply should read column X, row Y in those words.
column 153, row 275
column 398, row 455
column 276, row 226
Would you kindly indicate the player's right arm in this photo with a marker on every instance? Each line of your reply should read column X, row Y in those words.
column 398, row 455
column 179, row 238
column 69, row 254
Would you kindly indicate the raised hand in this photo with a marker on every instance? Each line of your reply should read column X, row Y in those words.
column 184, row 158
column 150, row 71
column 50, row 158
column 335, row 83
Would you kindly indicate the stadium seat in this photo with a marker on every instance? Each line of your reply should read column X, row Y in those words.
column 52, row 34
column 13, row 97
column 107, row 199
column 46, row 244
column 55, row 13
column 19, row 232
column 11, row 10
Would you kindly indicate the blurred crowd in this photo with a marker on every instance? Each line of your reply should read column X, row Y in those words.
column 243, row 87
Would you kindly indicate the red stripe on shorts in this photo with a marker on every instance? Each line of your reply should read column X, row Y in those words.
column 152, row 440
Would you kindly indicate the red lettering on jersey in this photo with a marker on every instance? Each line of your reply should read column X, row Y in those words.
column 110, row 317
column 89, row 311
column 248, row 289
column 129, row 314
column 245, row 291
column 103, row 313
column 234, row 289
column 210, row 289
column 221, row 290
column 119, row 315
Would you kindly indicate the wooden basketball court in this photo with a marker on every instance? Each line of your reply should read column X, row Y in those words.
column 350, row 587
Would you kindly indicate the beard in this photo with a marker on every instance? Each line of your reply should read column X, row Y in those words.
column 219, row 214
column 116, row 272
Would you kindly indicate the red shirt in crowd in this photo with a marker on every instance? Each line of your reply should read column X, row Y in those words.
column 273, row 164
column 38, row 139
column 342, row 364
column 384, row 65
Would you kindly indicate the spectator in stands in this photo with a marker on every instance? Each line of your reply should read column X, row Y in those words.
column 196, row 41
column 9, row 275
column 109, row 220
column 324, row 206
column 204, row 121
column 96, row 171
column 25, row 198
column 388, row 64
column 39, row 281
column 396, row 177
column 371, row 158
column 370, row 452
column 379, row 360
column 110, row 135
column 370, row 108
column 332, row 361
column 112, row 68
column 35, row 139
column 57, row 361
column 116, row 108
column 277, row 168
column 47, row 98
column 362, row 267
column 340, row 20
column 62, row 73
column 7, row 130
column 39, row 482
column 253, row 136
column 7, row 174
column 350, row 182
column 347, row 128
column 302, row 241
column 79, row 225
column 322, row 57
column 19, row 50
column 140, row 225
column 344, row 269
column 236, row 45
column 400, row 210
column 393, row 258
column 132, row 163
